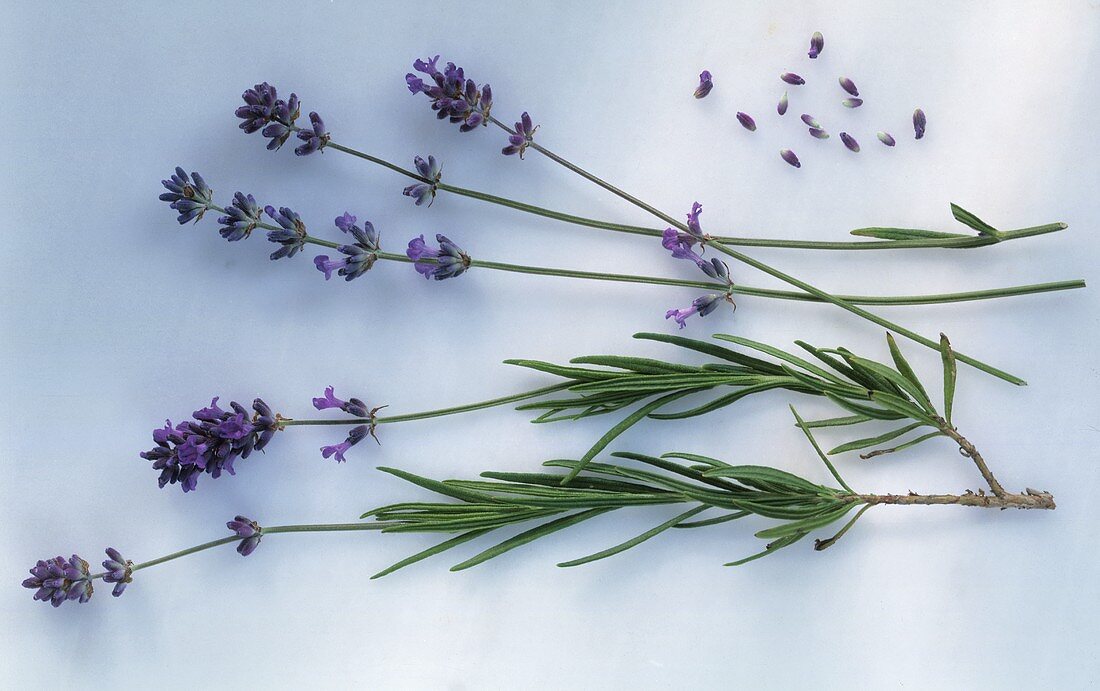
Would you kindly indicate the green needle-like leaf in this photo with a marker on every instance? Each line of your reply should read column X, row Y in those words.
column 949, row 375
column 622, row 547
column 903, row 367
column 966, row 218
column 530, row 536
column 432, row 551
column 875, row 441
column 820, row 453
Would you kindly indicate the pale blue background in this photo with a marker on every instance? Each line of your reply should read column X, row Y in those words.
column 113, row 318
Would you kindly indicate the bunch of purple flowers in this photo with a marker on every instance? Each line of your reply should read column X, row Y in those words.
column 452, row 95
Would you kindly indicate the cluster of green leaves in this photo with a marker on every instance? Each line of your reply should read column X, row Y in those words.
column 505, row 499
column 866, row 389
column 961, row 215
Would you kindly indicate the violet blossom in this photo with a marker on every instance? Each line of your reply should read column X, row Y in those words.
column 241, row 218
column 452, row 95
column 315, row 138
column 706, row 83
column 291, row 235
column 359, row 256
column 524, row 135
column 702, row 305
column 446, row 262
column 817, row 43
column 57, row 580
column 356, row 435
column 249, row 531
column 190, row 196
column 263, row 109
column 424, row 191
column 119, row 571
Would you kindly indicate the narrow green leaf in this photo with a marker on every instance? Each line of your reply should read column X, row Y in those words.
column 900, row 405
column 724, row 518
column 634, row 364
column 820, row 454
column 820, row 386
column 432, row 551
column 902, row 447
column 578, row 373
column 807, row 524
column 772, row 548
column 875, row 441
column 782, row 355
column 622, row 547
column 966, row 218
column 530, row 536
column 864, row 410
column 715, row 350
column 949, row 375
column 906, row 371
column 834, row 363
column 554, row 480
column 766, row 478
column 440, row 488
column 837, row 421
column 720, row 402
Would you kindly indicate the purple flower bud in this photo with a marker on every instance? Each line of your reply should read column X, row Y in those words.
column 249, row 531
column 810, row 121
column 446, row 262
column 452, row 96
column 782, row 107
column 850, row 142
column 702, row 306
column 885, row 138
column 746, row 121
column 852, row 102
column 919, row 123
column 706, row 83
column 425, row 191
column 524, row 135
column 190, row 196
column 818, row 133
column 817, row 42
column 118, row 571
column 849, row 86
column 792, row 78
column 356, row 435
column 788, row 156
column 241, row 218
column 291, row 235
column 315, row 138
column 353, row 406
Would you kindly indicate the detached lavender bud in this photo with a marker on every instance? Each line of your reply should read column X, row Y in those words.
column 792, row 78
column 57, row 580
column 850, row 142
column 524, row 135
column 702, row 306
column 810, row 121
column 190, row 196
column 263, row 109
column 746, row 121
column 119, row 571
column 788, row 156
column 240, row 218
column 919, row 123
column 817, row 42
column 249, row 531
column 782, row 107
column 706, row 83
column 315, row 138
column 356, row 435
column 849, row 86
column 446, row 262
column 210, row 443
column 452, row 96
column 852, row 102
column 886, row 139
column 818, row 133
column 292, row 234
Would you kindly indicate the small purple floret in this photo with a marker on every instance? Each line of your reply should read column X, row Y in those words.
column 264, row 110
column 315, row 138
column 850, row 142
column 452, row 96
column 446, row 262
column 524, row 135
column 118, row 571
column 291, row 234
column 241, row 218
column 852, row 102
column 249, row 531
column 792, row 78
column 702, row 306
column 789, row 156
column 356, row 435
column 57, row 580
column 849, row 86
column 818, row 133
column 358, row 258
column 706, row 83
column 423, row 191
column 817, row 43
column 189, row 195
column 810, row 121
column 746, row 121
column 886, row 138
column 919, row 123
column 782, row 107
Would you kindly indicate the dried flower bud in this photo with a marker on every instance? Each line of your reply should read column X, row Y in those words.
column 810, row 121
column 849, row 86
column 852, row 102
column 919, row 122
column 746, row 121
column 706, row 83
column 788, row 156
column 850, row 142
column 817, row 42
column 818, row 133
column 782, row 107
column 886, row 139
column 792, row 78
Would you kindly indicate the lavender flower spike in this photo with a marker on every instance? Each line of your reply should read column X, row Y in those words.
column 263, row 109
column 241, row 218
column 702, row 306
column 746, row 121
column 850, row 142
column 57, row 580
column 452, row 95
column 446, row 262
column 356, row 435
column 119, row 571
column 788, row 156
column 817, row 43
column 291, row 235
column 782, row 107
column 315, row 138
column 852, row 102
column 886, row 139
column 706, row 83
column 249, row 531
column 848, row 85
column 422, row 191
column 792, row 78
column 359, row 257
column 525, row 134
column 919, row 123
column 190, row 196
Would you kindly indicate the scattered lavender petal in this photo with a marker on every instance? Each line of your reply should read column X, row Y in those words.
column 817, row 42
column 782, row 107
column 849, row 86
column 746, row 121
column 792, row 78
column 788, row 156
column 706, row 83
column 852, row 102
column 810, row 121
column 818, row 133
column 886, row 139
column 850, row 142
column 919, row 122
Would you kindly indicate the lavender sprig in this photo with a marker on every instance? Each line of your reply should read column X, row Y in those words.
column 524, row 135
column 58, row 580
column 249, row 531
column 449, row 261
column 118, row 571
column 189, row 195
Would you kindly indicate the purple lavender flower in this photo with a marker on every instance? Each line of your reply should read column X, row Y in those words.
column 703, row 305
column 249, row 531
column 746, row 121
column 57, row 580
column 315, row 138
column 818, row 133
column 919, row 123
column 119, row 571
column 886, row 138
column 850, row 142
column 782, row 107
column 524, row 135
column 210, row 443
column 706, row 83
column 423, row 191
column 240, row 218
column 359, row 257
column 849, row 86
column 680, row 244
column 190, row 196
column 452, row 95
column 292, row 234
column 263, row 109
column 792, row 78
column 446, row 262
column 852, row 102
column 788, row 156
column 352, row 406
column 811, row 121
column 817, row 43
column 356, row 435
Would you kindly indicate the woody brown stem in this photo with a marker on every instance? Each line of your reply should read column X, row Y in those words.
column 970, row 451
column 1029, row 499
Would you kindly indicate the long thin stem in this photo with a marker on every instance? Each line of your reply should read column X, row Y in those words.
column 912, row 335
